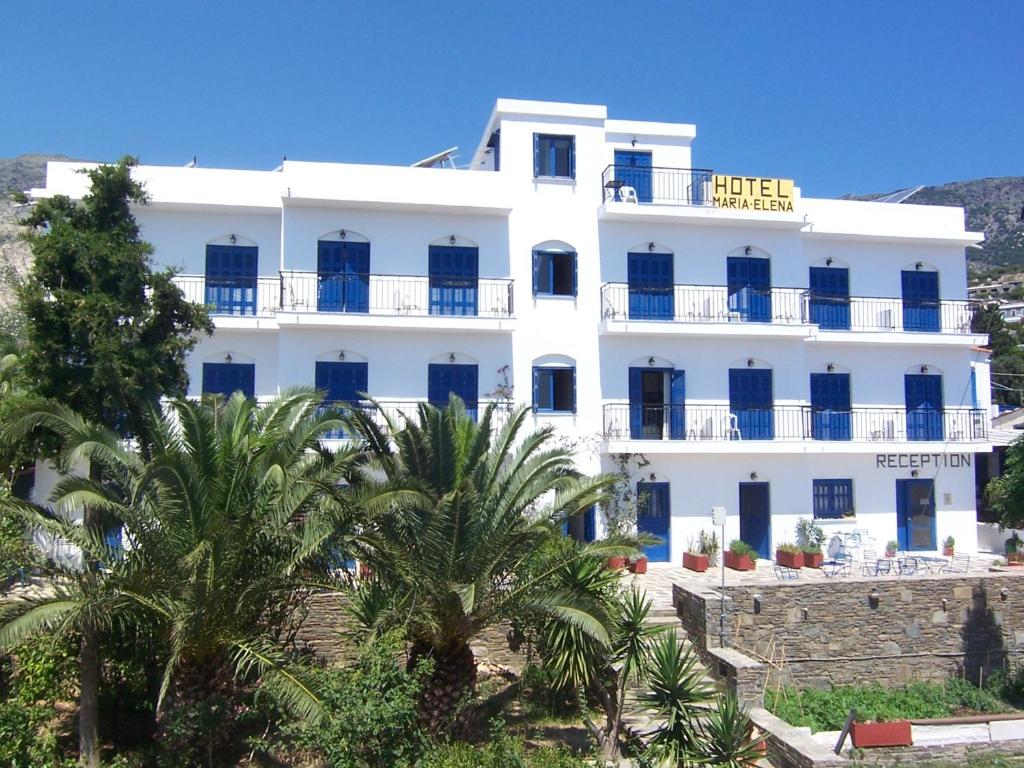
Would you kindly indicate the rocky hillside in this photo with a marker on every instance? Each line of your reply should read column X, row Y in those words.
column 994, row 206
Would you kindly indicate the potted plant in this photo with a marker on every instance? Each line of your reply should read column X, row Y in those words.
column 637, row 564
column 789, row 555
column 813, row 556
column 811, row 537
column 694, row 559
column 1014, row 555
column 740, row 556
column 616, row 562
column 947, row 546
column 895, row 733
column 702, row 553
column 890, row 548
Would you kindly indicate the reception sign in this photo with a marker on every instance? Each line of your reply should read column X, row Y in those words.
column 751, row 193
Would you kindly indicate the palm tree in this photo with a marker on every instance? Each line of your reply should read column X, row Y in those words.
column 465, row 548
column 226, row 514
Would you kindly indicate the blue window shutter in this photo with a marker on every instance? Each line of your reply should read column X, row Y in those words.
column 574, row 389
column 536, row 387
column 677, row 404
column 575, row 280
column 572, row 157
column 536, row 155
column 636, row 408
column 536, row 271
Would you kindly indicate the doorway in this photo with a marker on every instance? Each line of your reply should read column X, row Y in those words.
column 915, row 515
column 755, row 518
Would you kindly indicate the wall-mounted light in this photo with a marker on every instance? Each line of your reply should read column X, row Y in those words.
column 451, row 357
column 651, row 361
column 753, row 475
column 651, row 246
column 341, row 233
column 915, row 472
column 945, row 604
column 924, row 369
column 750, row 362
column 233, row 239
column 805, row 612
column 1004, row 593
column 653, row 477
column 633, row 142
column 341, row 354
column 451, row 240
column 828, row 262
column 830, row 368
column 758, row 602
column 748, row 250
column 873, row 598
column 227, row 358
column 919, row 265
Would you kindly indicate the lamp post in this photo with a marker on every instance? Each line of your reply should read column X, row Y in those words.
column 718, row 518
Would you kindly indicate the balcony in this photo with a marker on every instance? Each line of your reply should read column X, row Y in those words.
column 701, row 424
column 657, row 186
column 239, row 297
column 830, row 313
column 399, row 412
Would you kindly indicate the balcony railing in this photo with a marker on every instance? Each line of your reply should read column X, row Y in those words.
column 396, row 295
column 401, row 411
column 703, row 304
column 626, row 421
column 245, row 297
column 877, row 314
column 658, row 186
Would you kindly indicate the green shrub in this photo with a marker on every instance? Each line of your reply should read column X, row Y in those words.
column 739, row 547
column 502, row 751
column 45, row 670
column 788, row 547
column 26, row 741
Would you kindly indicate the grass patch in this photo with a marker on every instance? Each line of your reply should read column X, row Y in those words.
column 827, row 710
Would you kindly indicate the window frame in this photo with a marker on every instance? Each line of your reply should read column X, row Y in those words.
column 538, row 140
column 833, row 486
column 538, row 371
column 550, row 254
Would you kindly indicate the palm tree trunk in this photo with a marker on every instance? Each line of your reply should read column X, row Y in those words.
column 449, row 686
column 88, row 700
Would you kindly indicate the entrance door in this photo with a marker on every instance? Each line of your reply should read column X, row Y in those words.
column 915, row 515
column 650, row 286
column 653, row 516
column 633, row 169
column 830, row 297
column 830, row 406
column 755, row 518
column 750, row 288
column 454, row 274
column 923, row 392
column 343, row 276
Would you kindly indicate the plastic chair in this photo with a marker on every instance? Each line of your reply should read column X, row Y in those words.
column 628, row 195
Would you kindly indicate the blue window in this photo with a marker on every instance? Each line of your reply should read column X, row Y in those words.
column 554, row 156
column 830, row 406
column 554, row 390
column 651, row 291
column 554, row 273
column 444, row 379
column 750, row 401
column 226, row 378
column 633, row 169
column 920, row 301
column 231, row 279
column 454, row 274
column 581, row 526
column 924, row 406
column 830, row 297
column 750, row 288
column 343, row 276
column 832, row 499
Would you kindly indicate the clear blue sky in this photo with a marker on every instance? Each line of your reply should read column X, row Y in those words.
column 842, row 96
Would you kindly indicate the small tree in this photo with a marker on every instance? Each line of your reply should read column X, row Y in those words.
column 1006, row 492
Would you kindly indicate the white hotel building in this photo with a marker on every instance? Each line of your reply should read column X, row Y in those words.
column 784, row 357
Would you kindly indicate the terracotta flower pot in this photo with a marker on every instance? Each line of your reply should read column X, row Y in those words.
column 695, row 562
column 894, row 734
column 616, row 563
column 789, row 559
column 947, row 551
column 890, row 553
column 738, row 562
column 639, row 565
column 813, row 559
column 365, row 571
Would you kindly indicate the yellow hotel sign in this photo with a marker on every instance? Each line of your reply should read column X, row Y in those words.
column 750, row 193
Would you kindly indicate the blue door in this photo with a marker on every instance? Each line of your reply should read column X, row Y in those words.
column 226, row 378
column 633, row 169
column 342, row 383
column 231, row 279
column 677, row 405
column 830, row 406
column 924, row 406
column 915, row 515
column 750, row 400
column 654, row 516
column 650, row 286
column 343, row 276
column 444, row 379
column 830, row 297
column 750, row 288
column 920, row 301
column 755, row 518
column 454, row 273
column 580, row 527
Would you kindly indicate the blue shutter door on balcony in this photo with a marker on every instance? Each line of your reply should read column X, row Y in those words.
column 343, row 276
column 636, row 404
column 830, row 406
column 654, row 516
column 830, row 297
column 633, row 169
column 920, row 301
column 924, row 406
column 226, row 378
column 342, row 381
column 231, row 279
column 750, row 288
column 750, row 400
column 650, row 286
column 677, row 405
column 458, row 379
column 454, row 273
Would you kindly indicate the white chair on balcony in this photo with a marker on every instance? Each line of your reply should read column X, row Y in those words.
column 628, row 195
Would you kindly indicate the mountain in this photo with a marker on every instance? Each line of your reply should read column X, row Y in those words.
column 20, row 173
column 994, row 206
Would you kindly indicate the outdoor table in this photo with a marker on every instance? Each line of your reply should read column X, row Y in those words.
column 833, row 568
column 932, row 564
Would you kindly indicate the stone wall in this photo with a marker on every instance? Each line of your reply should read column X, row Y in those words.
column 850, row 630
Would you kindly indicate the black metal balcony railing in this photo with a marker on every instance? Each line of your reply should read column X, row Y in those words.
column 252, row 297
column 656, row 185
column 400, row 411
column 626, row 421
column 862, row 313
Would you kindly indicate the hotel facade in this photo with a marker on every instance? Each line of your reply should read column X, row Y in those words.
column 725, row 339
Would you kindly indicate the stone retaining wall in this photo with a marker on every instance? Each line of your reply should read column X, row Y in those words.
column 852, row 630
